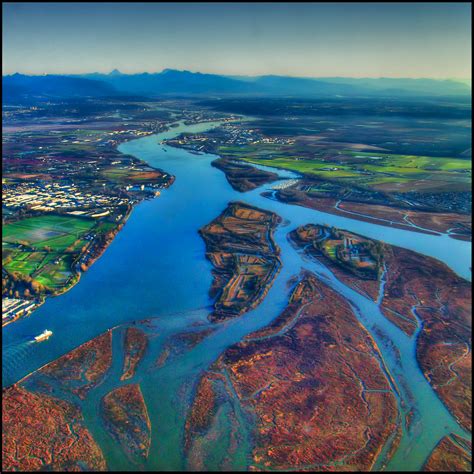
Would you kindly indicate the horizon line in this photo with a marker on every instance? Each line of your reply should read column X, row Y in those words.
column 457, row 79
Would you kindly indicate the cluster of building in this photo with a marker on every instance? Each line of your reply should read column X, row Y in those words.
column 194, row 142
column 285, row 184
column 346, row 248
column 54, row 197
column 353, row 251
column 228, row 134
column 118, row 136
column 447, row 201
column 235, row 134
column 135, row 133
column 191, row 116
column 13, row 308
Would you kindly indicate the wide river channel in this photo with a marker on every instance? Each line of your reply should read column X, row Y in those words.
column 156, row 268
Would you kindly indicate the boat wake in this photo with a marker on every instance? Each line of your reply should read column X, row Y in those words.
column 14, row 355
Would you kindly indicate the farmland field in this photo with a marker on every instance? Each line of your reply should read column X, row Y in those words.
column 383, row 171
column 44, row 248
column 57, row 232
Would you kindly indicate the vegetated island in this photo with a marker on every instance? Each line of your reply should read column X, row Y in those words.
column 310, row 383
column 240, row 246
column 352, row 258
column 43, row 424
column 178, row 344
column 83, row 368
column 450, row 455
column 41, row 431
column 243, row 177
column 135, row 345
column 424, row 298
column 126, row 419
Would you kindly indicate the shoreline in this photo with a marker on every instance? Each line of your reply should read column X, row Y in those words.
column 172, row 360
column 366, row 218
column 77, row 273
column 223, row 161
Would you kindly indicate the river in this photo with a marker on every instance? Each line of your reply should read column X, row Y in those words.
column 156, row 268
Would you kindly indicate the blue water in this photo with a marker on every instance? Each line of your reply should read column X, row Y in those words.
column 156, row 267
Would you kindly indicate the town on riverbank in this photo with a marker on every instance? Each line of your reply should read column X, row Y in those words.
column 67, row 190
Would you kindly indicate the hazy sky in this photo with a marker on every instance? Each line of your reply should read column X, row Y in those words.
column 321, row 39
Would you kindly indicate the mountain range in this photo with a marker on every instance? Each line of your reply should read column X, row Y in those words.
column 173, row 83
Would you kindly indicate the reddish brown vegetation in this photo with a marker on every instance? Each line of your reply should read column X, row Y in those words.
column 202, row 410
column 40, row 432
column 432, row 221
column 421, row 286
column 126, row 418
column 435, row 221
column 443, row 302
column 308, row 379
column 85, row 367
column 192, row 338
column 135, row 344
column 448, row 457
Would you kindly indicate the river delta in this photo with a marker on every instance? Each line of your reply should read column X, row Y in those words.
column 206, row 378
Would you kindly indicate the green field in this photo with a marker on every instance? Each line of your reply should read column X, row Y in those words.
column 421, row 163
column 56, row 232
column 56, row 275
column 310, row 167
column 330, row 249
column 45, row 247
column 376, row 170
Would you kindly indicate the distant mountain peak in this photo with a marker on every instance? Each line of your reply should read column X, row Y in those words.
column 184, row 82
column 178, row 72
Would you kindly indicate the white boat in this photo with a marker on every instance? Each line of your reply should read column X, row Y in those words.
column 44, row 335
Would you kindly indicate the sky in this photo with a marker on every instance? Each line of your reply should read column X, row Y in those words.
column 295, row 39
